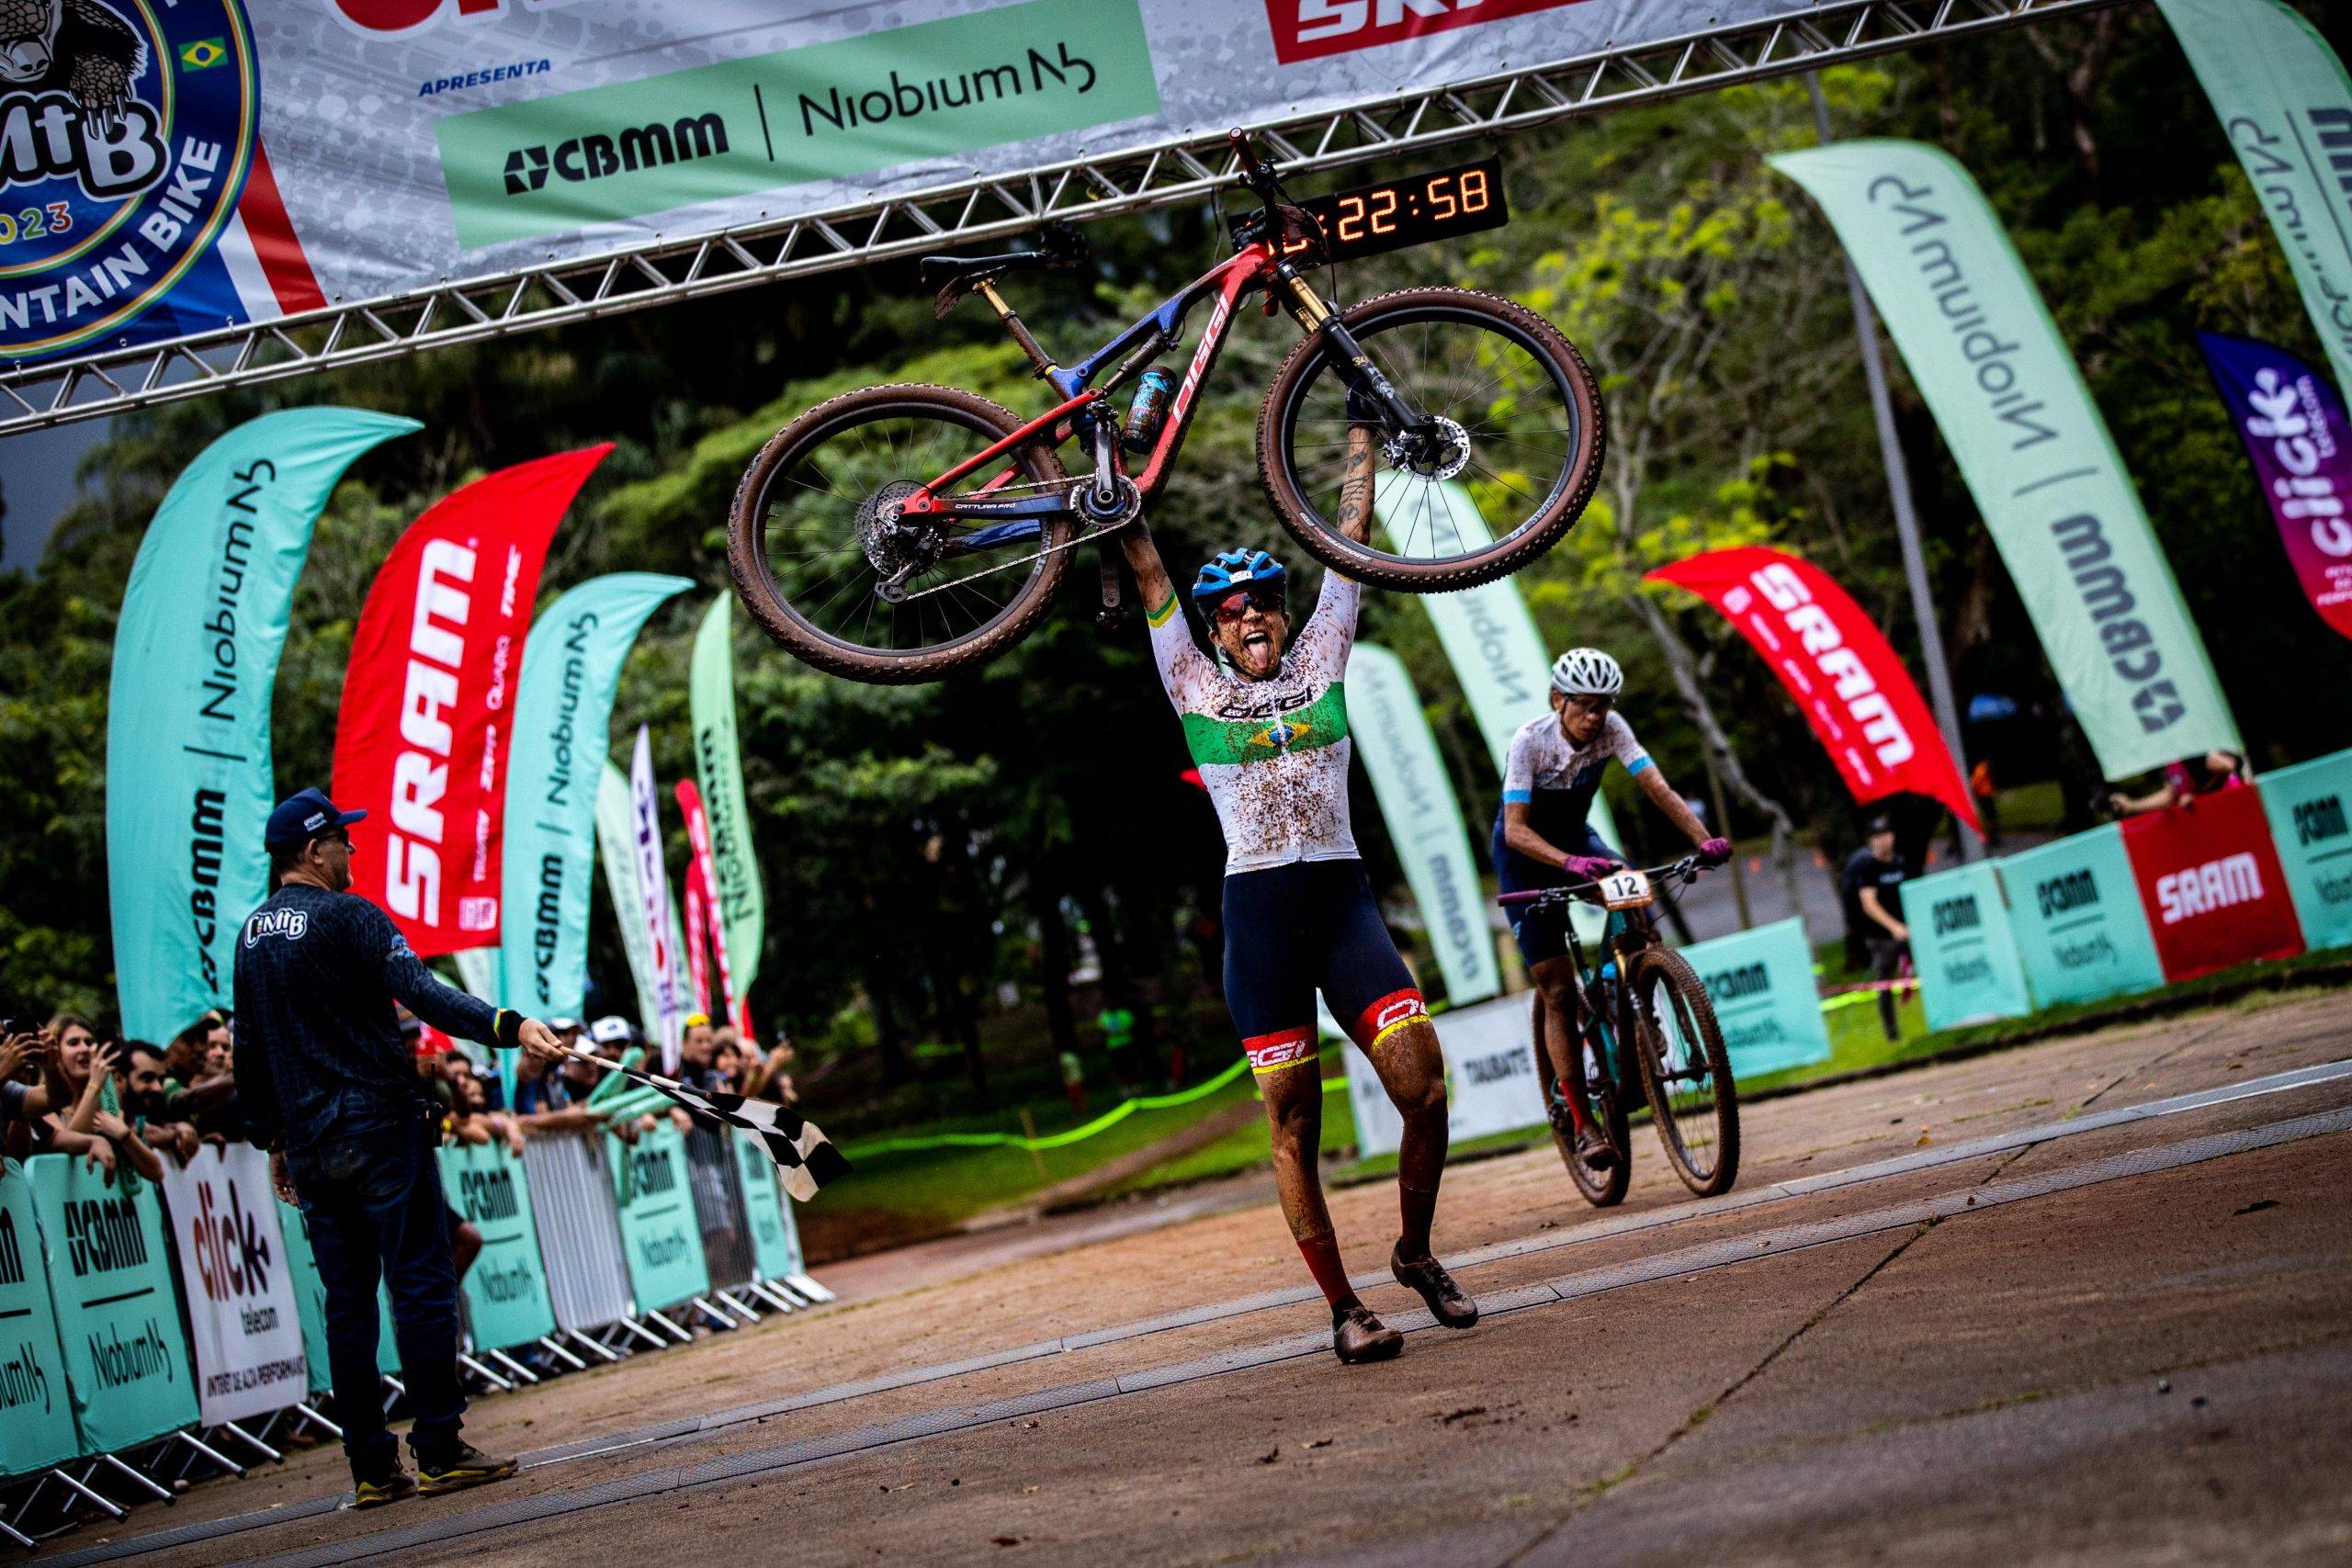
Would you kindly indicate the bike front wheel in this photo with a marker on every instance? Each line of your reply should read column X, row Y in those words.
column 1518, row 452
column 824, row 563
column 1686, row 1073
column 1601, row 1187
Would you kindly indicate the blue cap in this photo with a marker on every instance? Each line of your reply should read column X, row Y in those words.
column 303, row 816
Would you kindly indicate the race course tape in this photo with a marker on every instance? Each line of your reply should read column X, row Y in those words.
column 1102, row 1124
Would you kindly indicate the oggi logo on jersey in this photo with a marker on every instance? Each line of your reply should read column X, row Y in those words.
column 126, row 129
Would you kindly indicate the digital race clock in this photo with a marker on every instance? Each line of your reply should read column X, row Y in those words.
column 1392, row 214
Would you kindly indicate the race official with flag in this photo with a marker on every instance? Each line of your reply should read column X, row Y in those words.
column 328, row 1085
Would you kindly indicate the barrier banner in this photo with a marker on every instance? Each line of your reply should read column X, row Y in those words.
column 2301, row 446
column 1766, row 1002
column 1408, row 778
column 775, row 1239
column 572, row 1208
column 420, row 743
column 187, row 718
column 660, row 1233
column 1964, row 948
column 210, row 169
column 719, row 763
column 563, row 708
column 506, row 1290
column 2313, row 828
column 2286, row 105
column 118, row 1317
column 2081, row 931
column 2036, row 454
column 36, row 1410
column 243, row 1322
column 1839, row 668
column 653, row 896
column 616, row 849
column 2212, row 884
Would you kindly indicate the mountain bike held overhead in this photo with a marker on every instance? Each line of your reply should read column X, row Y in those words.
column 897, row 533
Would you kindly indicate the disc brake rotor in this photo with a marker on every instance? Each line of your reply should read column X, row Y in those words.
column 1437, row 455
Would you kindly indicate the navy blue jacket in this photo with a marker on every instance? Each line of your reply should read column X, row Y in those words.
column 319, row 1048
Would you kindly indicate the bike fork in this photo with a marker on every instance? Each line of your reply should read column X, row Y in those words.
column 1364, row 379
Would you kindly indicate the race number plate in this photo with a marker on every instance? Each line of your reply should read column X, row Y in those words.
column 1626, row 889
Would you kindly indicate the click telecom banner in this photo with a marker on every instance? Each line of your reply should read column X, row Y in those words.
column 2037, row 457
column 563, row 710
column 187, row 715
column 244, row 1324
column 422, row 740
column 2286, row 105
column 2301, row 446
column 1845, row 677
column 239, row 160
column 1424, row 820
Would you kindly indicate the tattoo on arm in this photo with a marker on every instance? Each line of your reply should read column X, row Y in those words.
column 1355, row 485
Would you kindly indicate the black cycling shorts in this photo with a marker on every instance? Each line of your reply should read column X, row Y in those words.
column 1541, row 932
column 1293, row 929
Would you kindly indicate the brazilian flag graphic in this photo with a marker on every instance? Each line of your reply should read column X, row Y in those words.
column 203, row 53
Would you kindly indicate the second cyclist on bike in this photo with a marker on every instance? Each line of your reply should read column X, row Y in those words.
column 1543, row 840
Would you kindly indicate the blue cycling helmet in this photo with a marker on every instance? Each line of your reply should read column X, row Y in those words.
column 1231, row 569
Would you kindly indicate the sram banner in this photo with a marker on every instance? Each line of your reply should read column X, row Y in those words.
column 168, row 166
column 2210, row 881
column 427, row 704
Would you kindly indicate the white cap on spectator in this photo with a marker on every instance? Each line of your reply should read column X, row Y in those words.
column 610, row 1029
column 560, row 1024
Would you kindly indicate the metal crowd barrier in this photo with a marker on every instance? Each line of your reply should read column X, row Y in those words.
column 719, row 1211
column 580, row 1241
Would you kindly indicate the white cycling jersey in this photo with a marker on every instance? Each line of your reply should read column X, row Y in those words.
column 1274, row 753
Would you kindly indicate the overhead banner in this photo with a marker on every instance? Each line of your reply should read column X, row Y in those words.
column 2082, row 934
column 2211, row 883
column 1424, row 820
column 617, row 848
column 187, row 715
column 1963, row 947
column 653, row 896
column 660, row 1233
column 218, row 160
column 719, row 763
column 563, row 709
column 2300, row 443
column 36, row 1410
column 2286, row 105
column 1837, row 665
column 2310, row 819
column 507, row 1289
column 118, row 1318
column 2037, row 457
column 243, row 1322
column 421, row 744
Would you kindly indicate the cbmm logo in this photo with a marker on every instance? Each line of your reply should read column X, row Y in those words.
column 599, row 156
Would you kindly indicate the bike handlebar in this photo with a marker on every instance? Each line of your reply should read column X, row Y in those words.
column 1256, row 172
column 1684, row 870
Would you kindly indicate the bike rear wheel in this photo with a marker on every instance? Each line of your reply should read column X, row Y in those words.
column 1521, row 453
column 814, row 540
column 1686, row 1073
column 1601, row 1189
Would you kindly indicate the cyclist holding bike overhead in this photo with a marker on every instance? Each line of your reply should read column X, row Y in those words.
column 1542, row 840
column 1267, row 725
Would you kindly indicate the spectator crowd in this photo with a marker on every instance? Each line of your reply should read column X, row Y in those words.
column 69, row 1087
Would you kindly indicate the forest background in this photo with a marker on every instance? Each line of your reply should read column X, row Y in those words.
column 939, row 859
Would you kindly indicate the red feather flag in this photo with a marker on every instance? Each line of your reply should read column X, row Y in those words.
column 1862, row 703
column 422, row 741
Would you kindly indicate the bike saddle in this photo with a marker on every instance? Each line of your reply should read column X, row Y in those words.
column 1059, row 246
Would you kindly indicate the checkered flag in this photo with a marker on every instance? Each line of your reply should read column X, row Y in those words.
column 803, row 1154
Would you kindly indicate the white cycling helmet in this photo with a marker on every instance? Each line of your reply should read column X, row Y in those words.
column 1587, row 672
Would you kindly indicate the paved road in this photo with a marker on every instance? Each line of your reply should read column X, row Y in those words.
column 2090, row 1300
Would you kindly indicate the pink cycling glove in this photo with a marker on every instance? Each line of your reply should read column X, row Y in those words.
column 1715, row 851
column 1592, row 868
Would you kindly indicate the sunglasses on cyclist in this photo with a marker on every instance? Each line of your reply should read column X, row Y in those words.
column 1233, row 607
column 1595, row 704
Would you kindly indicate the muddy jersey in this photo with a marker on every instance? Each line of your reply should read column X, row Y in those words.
column 1273, row 753
column 1557, row 781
